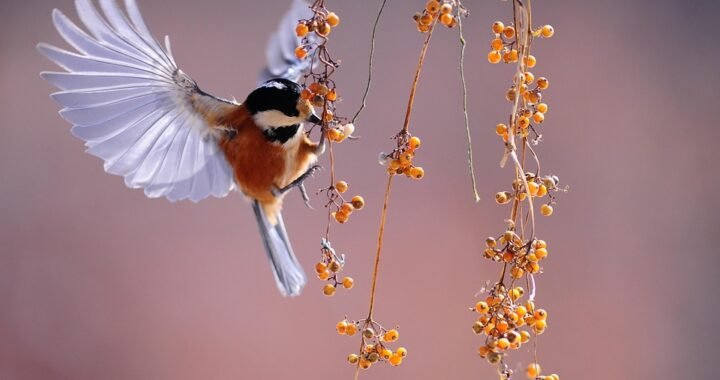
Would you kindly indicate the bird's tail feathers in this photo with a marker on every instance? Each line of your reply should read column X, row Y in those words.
column 289, row 275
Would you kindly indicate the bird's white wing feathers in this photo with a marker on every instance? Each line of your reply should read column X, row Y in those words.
column 135, row 109
column 280, row 52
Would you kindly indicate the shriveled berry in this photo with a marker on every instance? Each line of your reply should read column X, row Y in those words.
column 358, row 202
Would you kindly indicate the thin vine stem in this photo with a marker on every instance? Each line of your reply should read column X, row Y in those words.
column 418, row 70
column 381, row 234
column 370, row 63
column 471, row 167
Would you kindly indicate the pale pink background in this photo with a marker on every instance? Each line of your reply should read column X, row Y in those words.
column 98, row 282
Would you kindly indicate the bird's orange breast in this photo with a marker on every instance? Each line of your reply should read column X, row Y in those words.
column 260, row 165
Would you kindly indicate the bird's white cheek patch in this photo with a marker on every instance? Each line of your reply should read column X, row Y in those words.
column 274, row 119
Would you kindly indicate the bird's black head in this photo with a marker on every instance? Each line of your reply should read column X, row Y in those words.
column 277, row 103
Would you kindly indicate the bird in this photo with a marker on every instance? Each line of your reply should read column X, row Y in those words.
column 151, row 123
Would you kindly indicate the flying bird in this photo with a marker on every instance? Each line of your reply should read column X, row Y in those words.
column 150, row 122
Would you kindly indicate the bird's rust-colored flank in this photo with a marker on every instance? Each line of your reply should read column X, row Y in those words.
column 260, row 165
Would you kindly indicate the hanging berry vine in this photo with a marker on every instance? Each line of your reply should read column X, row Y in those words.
column 509, row 317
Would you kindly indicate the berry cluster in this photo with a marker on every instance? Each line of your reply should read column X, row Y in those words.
column 537, row 187
column 321, row 91
column 502, row 318
column 328, row 269
column 520, row 256
column 400, row 160
column 321, row 24
column 343, row 209
column 504, row 45
column 374, row 343
column 507, row 319
column 437, row 11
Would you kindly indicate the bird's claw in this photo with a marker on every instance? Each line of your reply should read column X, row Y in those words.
column 300, row 184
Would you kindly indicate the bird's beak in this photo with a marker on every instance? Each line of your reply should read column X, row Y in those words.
column 314, row 118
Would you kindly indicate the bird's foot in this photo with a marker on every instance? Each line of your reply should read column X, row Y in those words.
column 300, row 184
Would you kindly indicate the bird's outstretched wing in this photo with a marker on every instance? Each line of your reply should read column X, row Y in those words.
column 126, row 97
column 280, row 51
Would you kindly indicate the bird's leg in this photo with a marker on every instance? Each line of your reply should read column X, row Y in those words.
column 320, row 148
column 300, row 184
column 304, row 194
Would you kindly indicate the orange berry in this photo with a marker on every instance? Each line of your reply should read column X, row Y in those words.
column 494, row 57
column 300, row 52
column 341, row 186
column 306, row 94
column 332, row 96
column 539, row 244
column 391, row 335
column 546, row 210
column 402, row 352
column 320, row 267
column 543, row 83
column 323, row 275
column 426, row 19
column 329, row 290
column 529, row 77
column 517, row 272
column 523, row 122
column 533, row 371
column 503, row 343
column 358, row 202
column 447, row 19
column 530, row 61
column 323, row 29
column 513, row 55
column 539, row 326
column 547, row 31
column 333, row 134
column 538, row 117
column 333, row 19
column 341, row 217
column 502, row 326
column 533, row 188
column 364, row 364
column 432, row 6
column 542, row 107
column 509, row 32
column 417, row 172
column 396, row 360
column 540, row 314
column 348, row 282
column 446, row 8
column 496, row 44
column 423, row 28
column 347, row 208
column 341, row 327
column 482, row 307
column 502, row 197
column 353, row 359
column 414, row 142
column 498, row 27
column 301, row 30
column 351, row 329
column 541, row 253
column 386, row 354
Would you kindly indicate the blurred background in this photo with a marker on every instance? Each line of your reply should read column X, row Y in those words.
column 98, row 282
